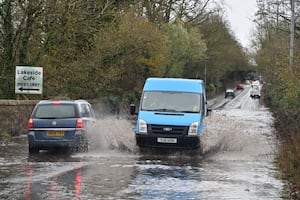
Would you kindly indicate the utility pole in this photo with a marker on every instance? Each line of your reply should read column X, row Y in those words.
column 292, row 34
column 205, row 73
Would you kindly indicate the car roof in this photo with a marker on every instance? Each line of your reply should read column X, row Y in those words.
column 62, row 101
column 229, row 90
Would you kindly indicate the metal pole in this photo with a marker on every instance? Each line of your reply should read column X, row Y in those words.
column 205, row 74
column 292, row 33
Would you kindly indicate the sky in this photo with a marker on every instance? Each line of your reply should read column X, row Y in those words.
column 240, row 14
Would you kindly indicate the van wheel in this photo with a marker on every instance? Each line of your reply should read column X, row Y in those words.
column 200, row 149
column 33, row 150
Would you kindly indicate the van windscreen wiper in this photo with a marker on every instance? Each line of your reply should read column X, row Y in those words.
column 187, row 111
column 165, row 110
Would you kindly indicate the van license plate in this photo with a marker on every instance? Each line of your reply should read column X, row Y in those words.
column 167, row 140
column 55, row 134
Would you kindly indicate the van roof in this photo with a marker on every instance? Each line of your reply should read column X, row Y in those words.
column 174, row 84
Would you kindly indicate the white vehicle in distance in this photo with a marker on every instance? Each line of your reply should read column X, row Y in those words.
column 255, row 92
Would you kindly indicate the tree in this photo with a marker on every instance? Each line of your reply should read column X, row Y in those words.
column 224, row 54
column 274, row 19
column 282, row 92
column 7, row 48
column 184, row 46
column 68, row 38
column 128, row 52
column 165, row 11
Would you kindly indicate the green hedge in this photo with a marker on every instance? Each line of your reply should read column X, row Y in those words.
column 283, row 97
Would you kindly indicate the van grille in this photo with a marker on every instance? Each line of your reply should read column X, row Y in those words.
column 167, row 130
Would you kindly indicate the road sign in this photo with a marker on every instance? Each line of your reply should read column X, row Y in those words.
column 29, row 80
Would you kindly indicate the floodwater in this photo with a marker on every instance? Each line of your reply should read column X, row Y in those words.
column 238, row 162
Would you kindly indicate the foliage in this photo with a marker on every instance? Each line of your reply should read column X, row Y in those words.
column 283, row 96
column 282, row 86
column 90, row 49
column 185, row 46
column 70, row 38
column 224, row 54
column 289, row 160
column 4, row 136
column 6, row 48
column 162, row 12
column 128, row 52
column 210, row 87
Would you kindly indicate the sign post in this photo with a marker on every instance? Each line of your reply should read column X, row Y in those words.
column 29, row 80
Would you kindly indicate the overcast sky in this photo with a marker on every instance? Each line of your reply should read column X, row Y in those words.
column 240, row 14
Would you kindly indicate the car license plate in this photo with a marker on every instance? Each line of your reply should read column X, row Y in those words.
column 167, row 140
column 55, row 134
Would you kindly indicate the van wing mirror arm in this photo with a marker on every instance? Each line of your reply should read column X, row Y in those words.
column 132, row 109
column 208, row 111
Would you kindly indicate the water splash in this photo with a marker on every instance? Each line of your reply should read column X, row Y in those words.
column 244, row 133
column 113, row 133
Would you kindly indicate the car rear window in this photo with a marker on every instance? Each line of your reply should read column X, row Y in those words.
column 55, row 111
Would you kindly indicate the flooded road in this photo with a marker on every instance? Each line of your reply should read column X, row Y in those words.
column 238, row 162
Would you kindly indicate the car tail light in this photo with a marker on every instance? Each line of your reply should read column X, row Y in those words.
column 30, row 123
column 56, row 102
column 79, row 123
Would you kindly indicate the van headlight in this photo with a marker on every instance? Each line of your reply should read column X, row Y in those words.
column 142, row 126
column 193, row 129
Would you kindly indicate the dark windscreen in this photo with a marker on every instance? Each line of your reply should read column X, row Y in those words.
column 55, row 111
column 171, row 101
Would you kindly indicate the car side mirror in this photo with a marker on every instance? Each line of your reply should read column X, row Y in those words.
column 132, row 109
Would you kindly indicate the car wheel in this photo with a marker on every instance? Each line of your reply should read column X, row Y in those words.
column 33, row 150
column 85, row 147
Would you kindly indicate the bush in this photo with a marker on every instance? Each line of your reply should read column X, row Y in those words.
column 210, row 87
column 4, row 136
column 283, row 97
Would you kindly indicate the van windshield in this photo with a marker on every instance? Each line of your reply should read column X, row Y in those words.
column 171, row 101
column 52, row 111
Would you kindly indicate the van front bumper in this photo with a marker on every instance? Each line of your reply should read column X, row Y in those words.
column 162, row 141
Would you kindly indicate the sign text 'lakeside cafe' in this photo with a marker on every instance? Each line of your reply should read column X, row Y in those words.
column 29, row 80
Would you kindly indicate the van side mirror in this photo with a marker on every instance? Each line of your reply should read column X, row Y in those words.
column 132, row 109
column 208, row 110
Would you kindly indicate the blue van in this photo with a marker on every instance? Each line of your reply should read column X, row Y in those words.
column 171, row 113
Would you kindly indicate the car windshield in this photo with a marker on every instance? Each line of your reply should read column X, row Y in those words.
column 55, row 111
column 171, row 101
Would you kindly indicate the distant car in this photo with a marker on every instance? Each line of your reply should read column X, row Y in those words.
column 255, row 83
column 239, row 87
column 60, row 123
column 229, row 93
column 255, row 92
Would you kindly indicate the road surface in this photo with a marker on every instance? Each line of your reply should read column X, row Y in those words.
column 238, row 162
